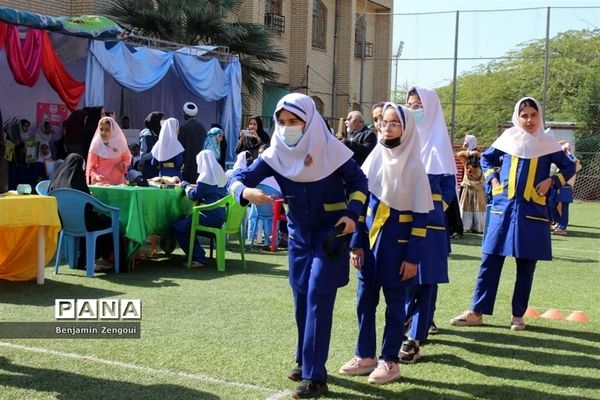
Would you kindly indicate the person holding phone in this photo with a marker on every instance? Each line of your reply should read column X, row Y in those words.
column 253, row 137
column 387, row 245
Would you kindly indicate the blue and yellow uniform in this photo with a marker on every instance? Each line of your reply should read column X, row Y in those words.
column 313, row 208
column 171, row 167
column 518, row 225
column 389, row 237
column 433, row 268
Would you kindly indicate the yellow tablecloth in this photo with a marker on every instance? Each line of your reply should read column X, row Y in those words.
column 20, row 216
column 144, row 210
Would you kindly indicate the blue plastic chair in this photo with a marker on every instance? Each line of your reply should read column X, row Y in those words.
column 71, row 209
column 262, row 214
column 42, row 187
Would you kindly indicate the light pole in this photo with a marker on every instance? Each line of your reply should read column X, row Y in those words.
column 397, row 56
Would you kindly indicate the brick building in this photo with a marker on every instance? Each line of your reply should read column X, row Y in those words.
column 322, row 41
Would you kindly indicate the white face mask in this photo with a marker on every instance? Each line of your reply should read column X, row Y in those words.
column 419, row 115
column 291, row 135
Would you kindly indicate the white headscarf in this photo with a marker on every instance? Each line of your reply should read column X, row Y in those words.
column 397, row 176
column 470, row 142
column 209, row 170
column 437, row 154
column 167, row 146
column 518, row 142
column 327, row 153
column 116, row 145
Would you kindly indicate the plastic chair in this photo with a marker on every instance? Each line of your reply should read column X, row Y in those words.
column 71, row 209
column 235, row 215
column 262, row 214
column 277, row 216
column 42, row 187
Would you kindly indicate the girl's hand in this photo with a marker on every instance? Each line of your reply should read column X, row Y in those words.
column 407, row 270
column 350, row 225
column 357, row 257
column 256, row 196
column 543, row 187
column 495, row 183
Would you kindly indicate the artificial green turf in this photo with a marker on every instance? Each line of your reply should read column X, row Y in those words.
column 211, row 335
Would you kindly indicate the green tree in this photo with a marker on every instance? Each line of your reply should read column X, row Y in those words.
column 204, row 22
column 486, row 96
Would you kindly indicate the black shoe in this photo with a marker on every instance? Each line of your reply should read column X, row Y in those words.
column 295, row 374
column 433, row 329
column 409, row 352
column 309, row 389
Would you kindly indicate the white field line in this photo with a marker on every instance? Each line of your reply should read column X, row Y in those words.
column 195, row 377
column 576, row 250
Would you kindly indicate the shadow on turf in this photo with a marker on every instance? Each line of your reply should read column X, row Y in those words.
column 72, row 386
column 163, row 271
column 491, row 392
column 500, row 345
column 30, row 293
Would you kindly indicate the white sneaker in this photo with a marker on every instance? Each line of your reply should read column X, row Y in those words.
column 386, row 372
column 517, row 324
column 359, row 366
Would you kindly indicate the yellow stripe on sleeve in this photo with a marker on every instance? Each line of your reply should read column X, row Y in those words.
column 358, row 196
column 334, row 206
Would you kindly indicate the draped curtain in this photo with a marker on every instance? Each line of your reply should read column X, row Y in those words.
column 37, row 54
column 141, row 68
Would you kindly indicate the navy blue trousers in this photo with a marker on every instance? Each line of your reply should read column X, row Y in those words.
column 367, row 301
column 314, row 317
column 486, row 286
column 420, row 304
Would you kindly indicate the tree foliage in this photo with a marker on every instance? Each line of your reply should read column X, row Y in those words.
column 205, row 22
column 486, row 96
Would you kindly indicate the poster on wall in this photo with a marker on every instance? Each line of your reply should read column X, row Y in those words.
column 54, row 113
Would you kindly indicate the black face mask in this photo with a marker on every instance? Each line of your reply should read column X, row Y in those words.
column 390, row 143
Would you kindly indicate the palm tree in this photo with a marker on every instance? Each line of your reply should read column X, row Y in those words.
column 203, row 22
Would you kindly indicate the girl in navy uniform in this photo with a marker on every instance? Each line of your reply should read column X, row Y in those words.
column 209, row 187
column 438, row 159
column 167, row 153
column 519, row 223
column 388, row 243
column 323, row 188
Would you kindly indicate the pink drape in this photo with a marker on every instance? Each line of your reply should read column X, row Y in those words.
column 25, row 61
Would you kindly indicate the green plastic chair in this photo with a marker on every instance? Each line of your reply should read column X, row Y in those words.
column 235, row 215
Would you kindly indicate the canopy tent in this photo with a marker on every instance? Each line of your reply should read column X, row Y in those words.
column 127, row 79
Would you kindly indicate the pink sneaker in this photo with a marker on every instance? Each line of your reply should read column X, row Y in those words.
column 386, row 372
column 467, row 318
column 359, row 366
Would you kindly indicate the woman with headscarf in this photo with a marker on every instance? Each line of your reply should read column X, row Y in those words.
column 438, row 158
column 213, row 142
column 314, row 171
column 71, row 175
column 519, row 226
column 209, row 187
column 148, row 138
column 167, row 153
column 109, row 154
column 253, row 137
column 93, row 116
column 73, row 132
column 388, row 242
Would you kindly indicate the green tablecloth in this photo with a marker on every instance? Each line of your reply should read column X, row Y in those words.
column 144, row 210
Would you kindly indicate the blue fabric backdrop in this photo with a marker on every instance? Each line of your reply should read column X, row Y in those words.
column 142, row 68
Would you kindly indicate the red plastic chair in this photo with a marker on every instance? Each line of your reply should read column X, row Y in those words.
column 277, row 216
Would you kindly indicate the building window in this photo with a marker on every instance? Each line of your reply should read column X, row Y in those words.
column 319, row 25
column 274, row 19
column 360, row 34
column 273, row 7
column 275, row 22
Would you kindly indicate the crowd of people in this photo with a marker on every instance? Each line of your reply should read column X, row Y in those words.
column 374, row 198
